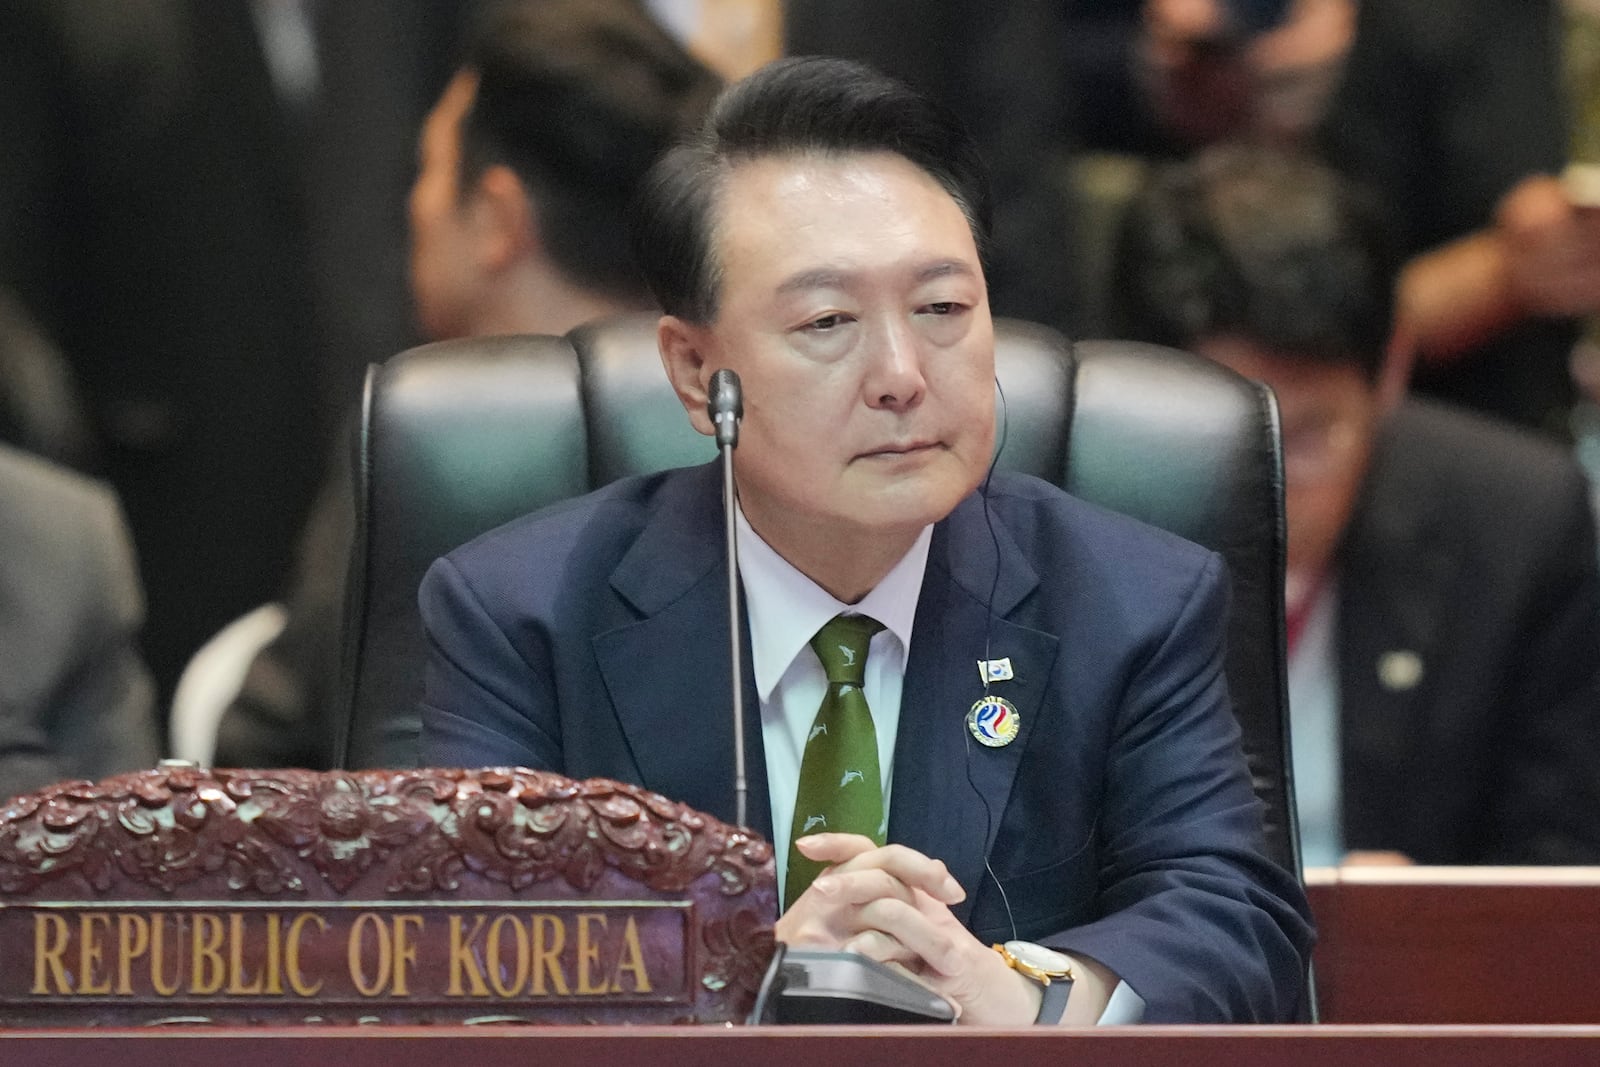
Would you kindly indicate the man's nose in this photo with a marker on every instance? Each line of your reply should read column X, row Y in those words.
column 895, row 376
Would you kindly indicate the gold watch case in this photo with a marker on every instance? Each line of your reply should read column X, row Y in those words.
column 1042, row 964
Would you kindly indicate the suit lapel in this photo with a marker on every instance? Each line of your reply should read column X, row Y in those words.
column 933, row 808
column 667, row 674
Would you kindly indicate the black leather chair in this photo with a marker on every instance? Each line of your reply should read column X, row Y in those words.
column 459, row 437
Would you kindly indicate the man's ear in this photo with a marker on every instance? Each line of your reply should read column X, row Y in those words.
column 506, row 227
column 683, row 347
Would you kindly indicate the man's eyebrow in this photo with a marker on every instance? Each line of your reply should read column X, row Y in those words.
column 944, row 269
column 821, row 278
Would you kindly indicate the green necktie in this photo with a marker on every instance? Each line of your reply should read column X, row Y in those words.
column 841, row 786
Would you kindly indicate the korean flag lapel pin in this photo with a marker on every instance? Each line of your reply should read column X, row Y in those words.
column 995, row 670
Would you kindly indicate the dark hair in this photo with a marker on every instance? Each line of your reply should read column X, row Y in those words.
column 808, row 104
column 1262, row 243
column 578, row 98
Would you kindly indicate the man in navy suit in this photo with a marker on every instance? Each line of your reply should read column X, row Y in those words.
column 821, row 238
column 1442, row 597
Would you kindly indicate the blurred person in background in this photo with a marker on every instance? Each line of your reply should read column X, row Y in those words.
column 527, row 164
column 1442, row 596
column 1456, row 112
column 75, row 698
column 732, row 37
column 1164, row 77
column 1160, row 79
column 175, row 215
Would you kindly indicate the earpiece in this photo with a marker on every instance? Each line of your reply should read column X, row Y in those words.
column 988, row 634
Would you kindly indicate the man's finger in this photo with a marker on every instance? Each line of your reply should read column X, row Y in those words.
column 908, row 865
column 850, row 887
column 877, row 945
column 938, row 945
column 834, row 848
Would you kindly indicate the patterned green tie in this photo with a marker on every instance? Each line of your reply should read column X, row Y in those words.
column 841, row 786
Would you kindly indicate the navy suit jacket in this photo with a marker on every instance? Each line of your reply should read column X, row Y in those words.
column 589, row 639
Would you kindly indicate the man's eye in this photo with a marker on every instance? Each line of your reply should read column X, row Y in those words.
column 944, row 307
column 826, row 322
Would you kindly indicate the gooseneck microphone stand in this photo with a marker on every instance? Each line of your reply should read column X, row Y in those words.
column 725, row 405
column 801, row 985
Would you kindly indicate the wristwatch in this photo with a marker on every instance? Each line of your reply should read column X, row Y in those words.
column 1051, row 969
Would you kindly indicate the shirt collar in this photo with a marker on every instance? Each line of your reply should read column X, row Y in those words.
column 786, row 608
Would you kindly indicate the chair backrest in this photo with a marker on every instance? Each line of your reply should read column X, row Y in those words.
column 461, row 436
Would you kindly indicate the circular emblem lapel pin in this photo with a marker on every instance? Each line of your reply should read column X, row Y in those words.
column 994, row 721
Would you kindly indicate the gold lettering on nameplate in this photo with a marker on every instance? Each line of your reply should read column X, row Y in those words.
column 208, row 972
column 549, row 939
column 50, row 936
column 133, row 941
column 420, row 952
column 291, row 954
column 369, row 930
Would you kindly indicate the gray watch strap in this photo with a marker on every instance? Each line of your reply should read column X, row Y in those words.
column 1054, row 1002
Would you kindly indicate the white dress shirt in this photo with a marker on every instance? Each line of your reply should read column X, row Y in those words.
column 1314, row 732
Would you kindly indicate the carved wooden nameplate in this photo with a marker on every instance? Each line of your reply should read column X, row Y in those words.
column 234, row 896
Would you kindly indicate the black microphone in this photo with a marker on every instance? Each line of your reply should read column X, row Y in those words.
column 725, row 405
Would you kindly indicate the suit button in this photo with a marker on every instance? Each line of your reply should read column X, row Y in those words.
column 1400, row 670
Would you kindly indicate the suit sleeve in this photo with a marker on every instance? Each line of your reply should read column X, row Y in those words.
column 95, row 715
column 483, row 703
column 1195, row 918
column 105, row 718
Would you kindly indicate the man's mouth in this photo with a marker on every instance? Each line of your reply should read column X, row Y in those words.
column 900, row 449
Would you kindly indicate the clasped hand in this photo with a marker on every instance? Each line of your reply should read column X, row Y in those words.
column 892, row 904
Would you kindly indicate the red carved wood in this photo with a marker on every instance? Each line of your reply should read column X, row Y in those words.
column 224, row 852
